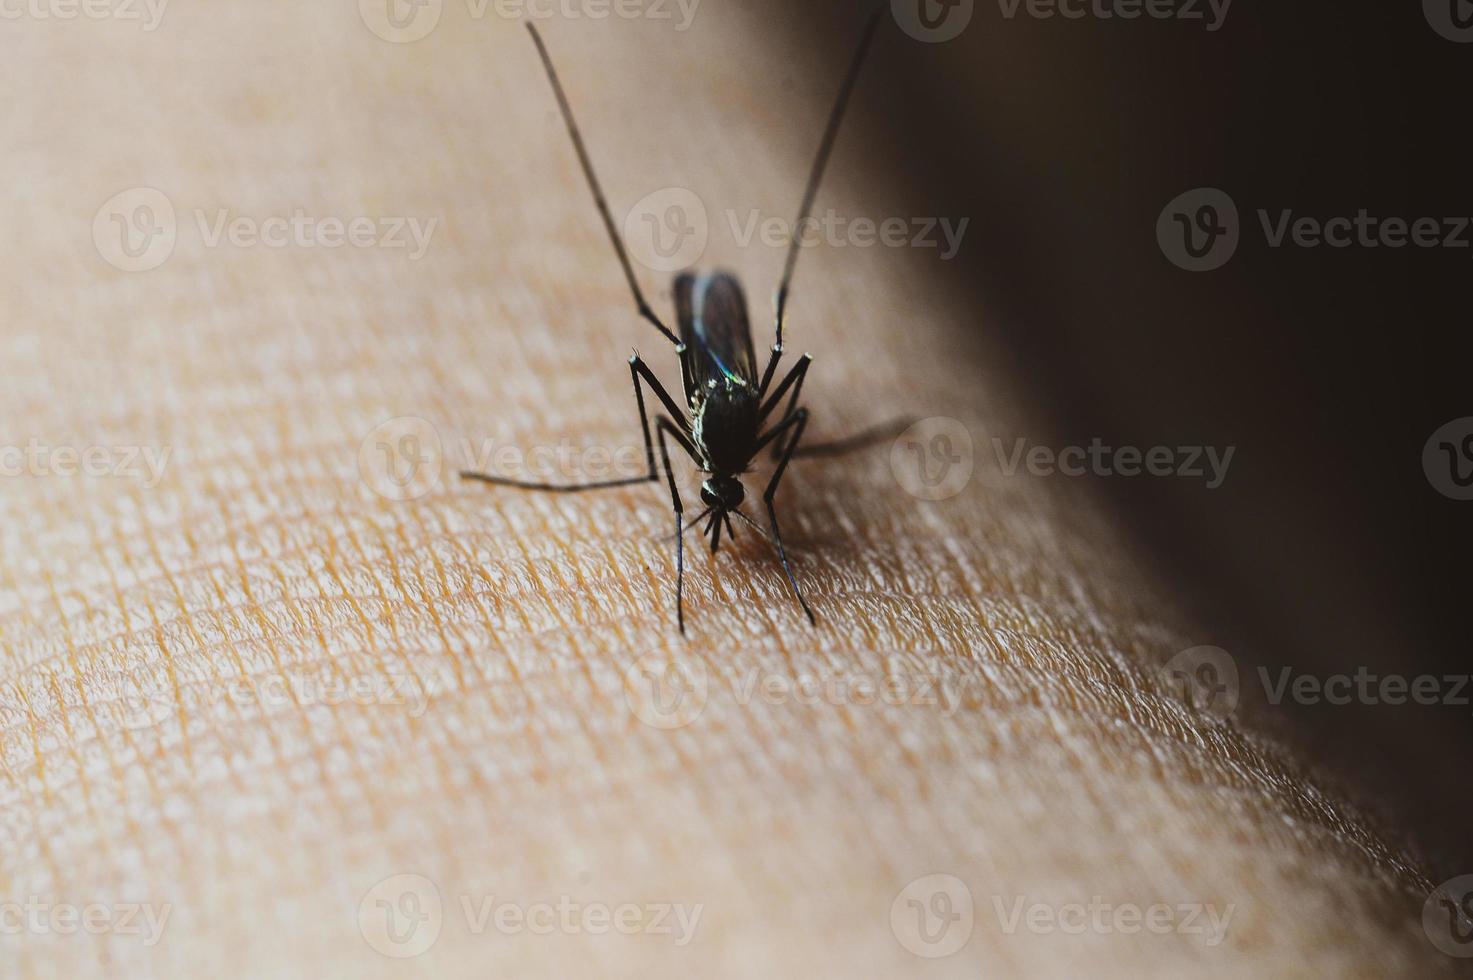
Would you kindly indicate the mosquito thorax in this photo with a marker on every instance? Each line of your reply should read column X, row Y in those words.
column 725, row 492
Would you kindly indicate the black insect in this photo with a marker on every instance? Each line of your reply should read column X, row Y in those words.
column 731, row 408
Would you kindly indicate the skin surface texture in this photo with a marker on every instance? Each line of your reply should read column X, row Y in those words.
column 258, row 690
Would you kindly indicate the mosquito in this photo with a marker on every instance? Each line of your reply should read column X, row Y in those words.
column 728, row 418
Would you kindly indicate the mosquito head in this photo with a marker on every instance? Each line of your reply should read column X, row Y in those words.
column 723, row 492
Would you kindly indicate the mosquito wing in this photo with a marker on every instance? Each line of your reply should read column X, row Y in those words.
column 715, row 331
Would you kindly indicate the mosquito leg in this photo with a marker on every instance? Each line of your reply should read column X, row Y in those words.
column 793, row 380
column 715, row 529
column 798, row 421
column 664, row 426
column 638, row 371
column 863, row 440
column 688, row 525
column 772, row 359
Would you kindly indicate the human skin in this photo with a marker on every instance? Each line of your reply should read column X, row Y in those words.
column 173, row 727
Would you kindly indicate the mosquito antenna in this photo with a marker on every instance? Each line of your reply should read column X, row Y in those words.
column 825, row 147
column 598, row 193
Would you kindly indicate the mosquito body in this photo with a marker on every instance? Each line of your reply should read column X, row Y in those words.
column 730, row 413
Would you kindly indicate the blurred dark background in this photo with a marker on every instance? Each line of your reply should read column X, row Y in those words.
column 1326, row 549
